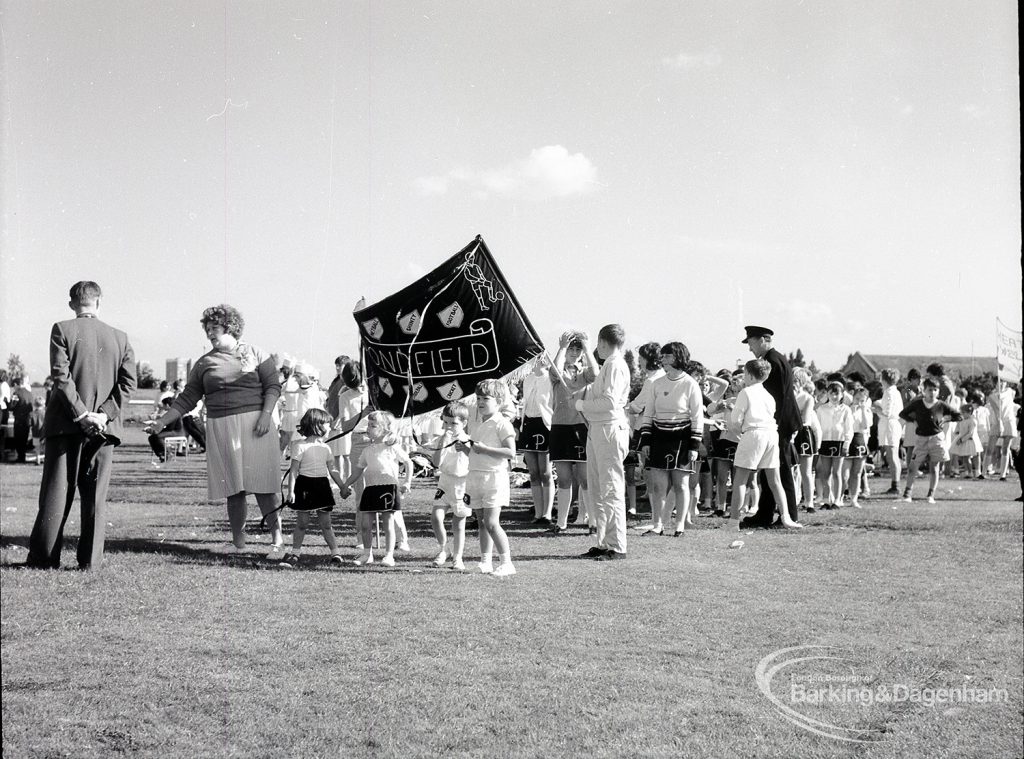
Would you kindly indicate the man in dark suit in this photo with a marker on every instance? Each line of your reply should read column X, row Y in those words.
column 93, row 370
column 787, row 415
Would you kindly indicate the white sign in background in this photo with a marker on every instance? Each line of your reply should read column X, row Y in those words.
column 1008, row 352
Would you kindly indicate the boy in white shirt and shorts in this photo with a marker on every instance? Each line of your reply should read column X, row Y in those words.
column 753, row 418
column 452, row 466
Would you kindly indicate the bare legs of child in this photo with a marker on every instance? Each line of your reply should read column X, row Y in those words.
column 541, row 485
column 570, row 474
column 723, row 468
column 829, row 487
column 891, row 453
column 806, row 479
column 742, row 479
column 401, row 533
column 492, row 536
column 302, row 520
column 657, row 494
column 367, row 524
column 933, row 477
column 681, row 495
column 458, row 538
column 854, row 482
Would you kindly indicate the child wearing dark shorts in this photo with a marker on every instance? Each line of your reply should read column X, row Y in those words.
column 310, row 489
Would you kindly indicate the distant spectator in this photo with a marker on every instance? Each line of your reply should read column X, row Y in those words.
column 5, row 402
column 173, row 429
column 21, row 409
column 36, row 422
column 194, row 423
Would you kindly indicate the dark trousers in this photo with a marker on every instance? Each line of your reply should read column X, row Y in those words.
column 156, row 442
column 194, row 430
column 766, row 505
column 21, row 435
column 72, row 462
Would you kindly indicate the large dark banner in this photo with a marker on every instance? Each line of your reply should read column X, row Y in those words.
column 431, row 342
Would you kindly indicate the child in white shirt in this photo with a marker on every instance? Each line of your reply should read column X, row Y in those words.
column 310, row 490
column 379, row 466
column 967, row 445
column 861, row 417
column 487, row 487
column 890, row 428
column 452, row 468
column 836, row 422
column 753, row 418
column 983, row 416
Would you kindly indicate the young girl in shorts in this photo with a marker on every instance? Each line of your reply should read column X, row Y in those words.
column 724, row 441
column 808, row 437
column 380, row 467
column 492, row 447
column 857, row 451
column 310, row 489
column 568, row 447
column 534, row 436
column 836, row 422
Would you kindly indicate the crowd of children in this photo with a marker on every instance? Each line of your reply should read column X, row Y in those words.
column 699, row 438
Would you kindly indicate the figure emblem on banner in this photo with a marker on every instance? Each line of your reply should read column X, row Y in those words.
column 482, row 286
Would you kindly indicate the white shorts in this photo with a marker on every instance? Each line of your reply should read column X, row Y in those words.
column 451, row 493
column 758, row 449
column 488, row 490
column 889, row 432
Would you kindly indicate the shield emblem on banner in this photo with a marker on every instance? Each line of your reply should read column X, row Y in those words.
column 451, row 316
column 451, row 391
column 385, row 386
column 374, row 328
column 419, row 392
column 410, row 322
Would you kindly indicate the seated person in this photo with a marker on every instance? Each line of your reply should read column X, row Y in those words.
column 175, row 429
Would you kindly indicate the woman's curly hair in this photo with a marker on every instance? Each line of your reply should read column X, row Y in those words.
column 228, row 317
column 650, row 352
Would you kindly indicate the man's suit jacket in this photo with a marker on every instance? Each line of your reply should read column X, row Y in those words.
column 93, row 369
column 780, row 386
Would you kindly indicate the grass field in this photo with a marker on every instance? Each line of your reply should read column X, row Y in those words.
column 178, row 648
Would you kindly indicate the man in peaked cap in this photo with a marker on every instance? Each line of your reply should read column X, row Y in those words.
column 787, row 415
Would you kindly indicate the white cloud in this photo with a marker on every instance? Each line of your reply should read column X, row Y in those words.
column 548, row 172
column 431, row 185
column 800, row 312
column 688, row 61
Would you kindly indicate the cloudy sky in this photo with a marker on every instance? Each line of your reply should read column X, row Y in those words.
column 846, row 173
